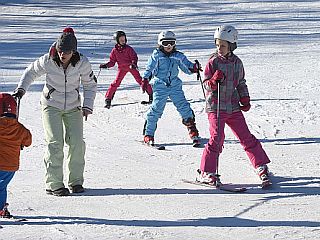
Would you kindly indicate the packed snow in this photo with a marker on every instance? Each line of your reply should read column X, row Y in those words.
column 136, row 192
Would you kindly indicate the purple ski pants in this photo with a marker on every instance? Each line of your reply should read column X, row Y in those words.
column 238, row 125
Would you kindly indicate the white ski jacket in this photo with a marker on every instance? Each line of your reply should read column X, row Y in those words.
column 62, row 87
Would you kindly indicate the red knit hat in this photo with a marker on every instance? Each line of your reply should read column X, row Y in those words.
column 7, row 104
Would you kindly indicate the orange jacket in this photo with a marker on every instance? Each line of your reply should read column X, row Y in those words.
column 13, row 135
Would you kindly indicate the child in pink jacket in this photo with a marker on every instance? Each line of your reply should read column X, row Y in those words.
column 127, row 60
column 227, row 69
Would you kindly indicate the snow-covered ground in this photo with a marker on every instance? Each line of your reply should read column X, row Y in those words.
column 134, row 192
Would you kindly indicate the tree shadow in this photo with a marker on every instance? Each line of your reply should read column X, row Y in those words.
column 199, row 222
column 294, row 187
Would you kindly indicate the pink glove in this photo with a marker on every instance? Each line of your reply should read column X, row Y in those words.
column 245, row 104
column 212, row 85
column 217, row 76
column 144, row 85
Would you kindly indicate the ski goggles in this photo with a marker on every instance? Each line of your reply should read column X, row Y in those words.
column 167, row 43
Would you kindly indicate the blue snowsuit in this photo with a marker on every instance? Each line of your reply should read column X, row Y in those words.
column 164, row 69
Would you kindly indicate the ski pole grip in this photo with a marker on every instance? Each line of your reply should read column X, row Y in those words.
column 198, row 69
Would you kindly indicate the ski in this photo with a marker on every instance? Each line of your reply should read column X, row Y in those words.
column 145, row 102
column 158, row 147
column 222, row 187
column 155, row 146
column 196, row 143
column 13, row 219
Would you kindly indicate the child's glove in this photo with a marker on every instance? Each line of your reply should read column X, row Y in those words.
column 196, row 68
column 218, row 76
column 144, row 85
column 104, row 65
column 85, row 112
column 18, row 93
column 133, row 66
column 245, row 104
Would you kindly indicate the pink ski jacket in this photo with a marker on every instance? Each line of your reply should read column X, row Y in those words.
column 123, row 55
column 232, row 88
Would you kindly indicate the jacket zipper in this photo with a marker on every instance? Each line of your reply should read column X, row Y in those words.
column 65, row 89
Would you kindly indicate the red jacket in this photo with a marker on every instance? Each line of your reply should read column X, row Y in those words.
column 13, row 135
column 123, row 55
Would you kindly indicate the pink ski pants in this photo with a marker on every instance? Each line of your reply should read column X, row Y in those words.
column 120, row 75
column 238, row 125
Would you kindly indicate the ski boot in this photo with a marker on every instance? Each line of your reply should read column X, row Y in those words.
column 149, row 140
column 148, row 102
column 206, row 178
column 108, row 103
column 263, row 173
column 4, row 213
column 193, row 131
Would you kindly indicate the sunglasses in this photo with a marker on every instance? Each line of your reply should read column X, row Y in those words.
column 166, row 43
column 65, row 52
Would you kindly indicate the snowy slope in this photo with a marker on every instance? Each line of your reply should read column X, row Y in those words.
column 134, row 192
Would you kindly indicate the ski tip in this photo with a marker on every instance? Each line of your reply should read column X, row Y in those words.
column 266, row 185
column 196, row 145
column 196, row 142
column 161, row 147
column 232, row 189
column 145, row 102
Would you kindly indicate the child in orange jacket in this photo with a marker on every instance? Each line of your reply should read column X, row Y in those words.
column 13, row 136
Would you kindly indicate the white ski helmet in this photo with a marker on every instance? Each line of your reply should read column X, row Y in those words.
column 226, row 33
column 166, row 35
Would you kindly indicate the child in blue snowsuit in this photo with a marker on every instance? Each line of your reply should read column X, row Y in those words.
column 163, row 68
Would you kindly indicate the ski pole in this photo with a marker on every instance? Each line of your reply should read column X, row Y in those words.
column 17, row 113
column 98, row 75
column 218, row 182
column 199, row 78
column 18, row 107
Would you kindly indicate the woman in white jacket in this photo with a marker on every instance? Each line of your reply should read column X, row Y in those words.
column 62, row 113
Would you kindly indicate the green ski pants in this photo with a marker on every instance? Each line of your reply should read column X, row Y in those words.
column 63, row 127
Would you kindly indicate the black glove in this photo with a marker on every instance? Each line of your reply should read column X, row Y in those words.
column 18, row 93
column 103, row 65
column 133, row 66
